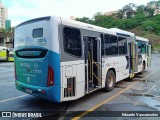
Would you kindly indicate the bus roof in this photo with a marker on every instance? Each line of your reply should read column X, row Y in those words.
column 86, row 26
column 33, row 20
column 122, row 32
column 72, row 23
column 142, row 39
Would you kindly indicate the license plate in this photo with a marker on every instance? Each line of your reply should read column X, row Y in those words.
column 28, row 91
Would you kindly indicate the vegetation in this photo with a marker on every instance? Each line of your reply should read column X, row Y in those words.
column 6, row 33
column 143, row 20
column 156, row 46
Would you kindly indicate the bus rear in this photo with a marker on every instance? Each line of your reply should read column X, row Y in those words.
column 37, row 59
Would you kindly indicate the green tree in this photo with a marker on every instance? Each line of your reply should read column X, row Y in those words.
column 149, row 26
column 120, row 14
column 140, row 9
column 84, row 19
column 150, row 11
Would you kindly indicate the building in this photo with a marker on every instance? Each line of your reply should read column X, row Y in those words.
column 155, row 5
column 8, row 25
column 72, row 17
column 3, row 15
column 110, row 13
column 6, row 38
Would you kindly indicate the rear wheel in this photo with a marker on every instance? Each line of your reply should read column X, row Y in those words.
column 143, row 68
column 110, row 81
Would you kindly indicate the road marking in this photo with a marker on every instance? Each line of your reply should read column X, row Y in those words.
column 12, row 98
column 107, row 100
column 149, row 74
column 6, row 83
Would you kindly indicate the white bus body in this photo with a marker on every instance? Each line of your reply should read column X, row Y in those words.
column 67, row 59
column 144, row 52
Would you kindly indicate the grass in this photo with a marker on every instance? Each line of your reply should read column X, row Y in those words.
column 156, row 46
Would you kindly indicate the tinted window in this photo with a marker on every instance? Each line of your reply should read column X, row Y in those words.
column 37, row 32
column 110, row 45
column 139, row 46
column 143, row 47
column 122, row 45
column 72, row 41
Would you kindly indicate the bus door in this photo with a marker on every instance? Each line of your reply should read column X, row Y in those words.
column 149, row 56
column 92, row 52
column 133, row 57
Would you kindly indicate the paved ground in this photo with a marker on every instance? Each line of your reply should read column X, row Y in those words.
column 140, row 94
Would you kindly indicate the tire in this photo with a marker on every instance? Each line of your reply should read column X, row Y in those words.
column 143, row 68
column 110, row 81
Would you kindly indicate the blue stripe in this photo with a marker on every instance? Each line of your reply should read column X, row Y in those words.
column 54, row 62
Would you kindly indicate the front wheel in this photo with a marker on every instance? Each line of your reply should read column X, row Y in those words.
column 110, row 81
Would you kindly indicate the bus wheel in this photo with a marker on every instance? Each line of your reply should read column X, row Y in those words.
column 110, row 81
column 143, row 67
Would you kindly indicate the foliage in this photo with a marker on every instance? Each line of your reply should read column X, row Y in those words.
column 129, row 17
column 11, row 30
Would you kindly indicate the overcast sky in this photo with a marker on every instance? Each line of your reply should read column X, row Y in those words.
column 22, row 10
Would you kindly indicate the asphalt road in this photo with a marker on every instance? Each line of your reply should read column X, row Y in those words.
column 140, row 94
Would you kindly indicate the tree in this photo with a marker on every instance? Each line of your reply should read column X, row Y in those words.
column 140, row 9
column 149, row 26
column 120, row 14
column 150, row 11
column 85, row 20
column 129, row 10
column 3, row 30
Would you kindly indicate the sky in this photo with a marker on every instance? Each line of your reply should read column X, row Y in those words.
column 22, row 10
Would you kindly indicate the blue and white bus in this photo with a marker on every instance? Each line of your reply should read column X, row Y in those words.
column 62, row 60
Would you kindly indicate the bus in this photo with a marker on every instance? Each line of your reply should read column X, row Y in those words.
column 144, row 53
column 132, row 49
column 61, row 60
column 6, row 54
column 141, row 53
column 3, row 53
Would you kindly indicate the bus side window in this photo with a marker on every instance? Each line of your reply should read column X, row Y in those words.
column 139, row 46
column 111, row 45
column 122, row 45
column 143, row 47
column 72, row 41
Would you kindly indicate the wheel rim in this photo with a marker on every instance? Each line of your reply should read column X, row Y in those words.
column 110, row 81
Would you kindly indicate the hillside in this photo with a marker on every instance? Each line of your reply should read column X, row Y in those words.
column 154, row 39
column 142, row 20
